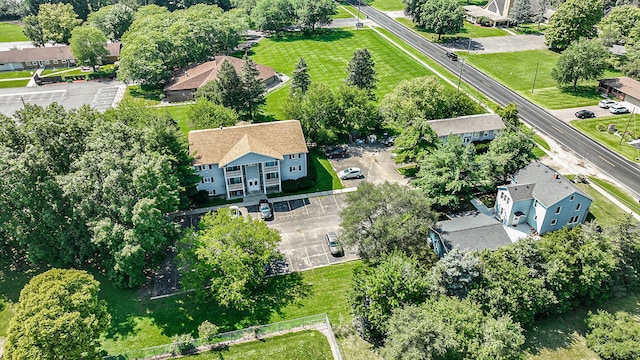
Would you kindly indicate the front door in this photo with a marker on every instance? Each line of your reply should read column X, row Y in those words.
column 252, row 174
column 253, row 185
column 516, row 220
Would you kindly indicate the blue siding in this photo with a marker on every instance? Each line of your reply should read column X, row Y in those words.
column 218, row 180
column 250, row 158
column 286, row 164
column 563, row 211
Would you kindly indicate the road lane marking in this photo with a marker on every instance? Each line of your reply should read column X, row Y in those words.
column 556, row 129
column 609, row 162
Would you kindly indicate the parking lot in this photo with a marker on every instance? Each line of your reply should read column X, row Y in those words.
column 374, row 160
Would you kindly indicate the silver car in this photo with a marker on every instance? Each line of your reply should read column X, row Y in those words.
column 334, row 246
column 265, row 209
column 618, row 109
column 350, row 173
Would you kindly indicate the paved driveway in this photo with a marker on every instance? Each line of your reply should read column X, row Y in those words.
column 376, row 164
column 498, row 44
column 568, row 115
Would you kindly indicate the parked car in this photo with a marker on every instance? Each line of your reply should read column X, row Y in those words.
column 334, row 245
column 584, row 114
column 336, row 151
column 618, row 109
column 606, row 103
column 390, row 141
column 452, row 56
column 265, row 209
column 350, row 173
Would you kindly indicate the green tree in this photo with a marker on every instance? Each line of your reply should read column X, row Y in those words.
column 441, row 17
column 58, row 316
column 396, row 281
column 314, row 13
column 318, row 113
column 573, row 20
column 361, row 70
column 57, row 22
column 412, row 7
column 301, row 79
column 625, row 242
column 112, row 20
column 253, row 88
column 226, row 90
column 274, row 15
column 613, row 336
column 455, row 274
column 509, row 115
column 582, row 60
column 87, row 45
column 225, row 260
column 507, row 153
column 204, row 114
column 521, row 12
column 617, row 26
column 32, row 29
column 448, row 174
column 381, row 218
column 356, row 110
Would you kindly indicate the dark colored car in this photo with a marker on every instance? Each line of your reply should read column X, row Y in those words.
column 452, row 56
column 265, row 209
column 334, row 246
column 584, row 114
column 336, row 151
column 390, row 141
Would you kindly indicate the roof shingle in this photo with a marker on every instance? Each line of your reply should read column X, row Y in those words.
column 466, row 124
column 47, row 53
column 550, row 187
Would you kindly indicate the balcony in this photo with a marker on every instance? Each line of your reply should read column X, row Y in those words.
column 233, row 187
column 271, row 169
column 233, row 174
column 270, row 182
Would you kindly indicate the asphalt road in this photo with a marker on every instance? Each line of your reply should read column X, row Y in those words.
column 624, row 171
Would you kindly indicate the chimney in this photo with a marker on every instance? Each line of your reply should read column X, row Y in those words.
column 555, row 176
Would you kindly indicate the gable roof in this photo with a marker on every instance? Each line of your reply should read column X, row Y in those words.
column 475, row 231
column 224, row 145
column 550, row 187
column 625, row 85
column 466, row 124
column 48, row 53
column 196, row 76
column 519, row 192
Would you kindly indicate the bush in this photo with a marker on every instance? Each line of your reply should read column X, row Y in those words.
column 201, row 197
column 601, row 127
column 289, row 186
column 207, row 330
column 312, row 172
column 484, row 21
column 613, row 336
column 182, row 344
column 305, row 183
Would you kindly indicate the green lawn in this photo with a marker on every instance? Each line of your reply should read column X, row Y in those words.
column 16, row 74
column 10, row 32
column 468, row 31
column 602, row 209
column 612, row 141
column 620, row 195
column 327, row 55
column 517, row 70
column 386, row 5
column 561, row 337
column 342, row 12
column 63, row 71
column 299, row 345
column 141, row 92
column 13, row 83
column 6, row 313
column 180, row 114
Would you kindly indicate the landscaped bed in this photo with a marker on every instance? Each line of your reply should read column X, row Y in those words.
column 596, row 128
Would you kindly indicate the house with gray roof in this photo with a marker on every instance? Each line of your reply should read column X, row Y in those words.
column 542, row 198
column 248, row 159
column 470, row 128
column 49, row 56
column 474, row 231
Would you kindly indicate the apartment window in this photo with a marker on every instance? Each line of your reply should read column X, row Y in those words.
column 272, row 176
column 574, row 219
column 207, row 180
column 535, row 203
column 558, row 209
column 294, row 156
column 47, row 62
column 55, row 61
column 233, row 168
column 211, row 192
column 270, row 163
column 295, row 168
column 554, row 221
column 572, row 197
column 485, row 134
column 235, row 180
column 476, row 134
column 578, row 206
column 28, row 63
column 210, row 166
column 535, row 217
column 64, row 61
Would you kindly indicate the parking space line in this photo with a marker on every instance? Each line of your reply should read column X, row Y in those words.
column 289, row 207
column 320, row 202
column 336, row 201
column 308, row 259
column 305, row 206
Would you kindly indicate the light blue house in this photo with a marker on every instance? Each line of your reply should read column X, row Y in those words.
column 542, row 198
column 248, row 159
column 471, row 128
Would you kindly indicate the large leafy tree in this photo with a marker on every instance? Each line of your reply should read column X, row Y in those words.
column 205, row 114
column 455, row 274
column 112, row 20
column 521, row 12
column 32, row 29
column 618, row 26
column 441, row 16
column 80, row 7
column 274, row 15
column 301, row 79
column 448, row 174
column 225, row 260
column 54, row 23
column 381, row 218
column 361, row 70
column 584, row 59
column 377, row 290
column 58, row 316
column 87, row 45
column 314, row 13
column 253, row 89
column 509, row 152
column 574, row 19
column 613, row 336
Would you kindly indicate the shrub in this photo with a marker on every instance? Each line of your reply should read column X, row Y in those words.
column 289, row 186
column 305, row 183
column 484, row 21
column 201, row 197
column 613, row 336
column 207, row 330
column 182, row 344
column 601, row 127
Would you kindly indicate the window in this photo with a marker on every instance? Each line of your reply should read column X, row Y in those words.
column 210, row 166
column 554, row 221
column 535, row 217
column 28, row 63
column 558, row 209
column 578, row 206
column 295, row 168
column 55, row 61
column 270, row 163
column 233, row 168
column 211, row 192
column 64, row 61
column 485, row 134
column 535, row 203
column 294, row 156
column 47, row 62
column 574, row 219
column 476, row 134
column 235, row 180
column 272, row 176
column 572, row 197
column 207, row 180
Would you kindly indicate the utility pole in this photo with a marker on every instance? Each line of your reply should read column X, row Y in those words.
column 460, row 74
column 535, row 76
column 22, row 99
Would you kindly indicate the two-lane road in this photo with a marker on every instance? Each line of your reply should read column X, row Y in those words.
column 624, row 171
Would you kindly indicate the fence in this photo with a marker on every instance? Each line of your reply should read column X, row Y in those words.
column 252, row 333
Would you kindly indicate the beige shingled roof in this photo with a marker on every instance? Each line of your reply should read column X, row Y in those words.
column 196, row 76
column 224, row 145
column 47, row 53
column 624, row 84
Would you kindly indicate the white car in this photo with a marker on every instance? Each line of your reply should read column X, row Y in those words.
column 606, row 103
column 350, row 173
column 618, row 109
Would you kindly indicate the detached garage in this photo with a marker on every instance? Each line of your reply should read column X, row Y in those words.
column 624, row 88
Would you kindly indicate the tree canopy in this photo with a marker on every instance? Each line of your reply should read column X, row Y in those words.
column 274, row 15
column 619, row 25
column 53, row 23
column 573, row 20
column 613, row 336
column 58, row 316
column 205, row 114
column 441, row 16
column 87, row 44
column 301, row 80
column 361, row 70
column 314, row 13
column 584, row 59
column 112, row 20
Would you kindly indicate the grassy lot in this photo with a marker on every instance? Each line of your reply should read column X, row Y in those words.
column 16, row 74
column 612, row 141
column 13, row 83
column 327, row 178
column 327, row 56
column 622, row 196
column 11, row 32
column 516, row 70
column 529, row 29
column 468, row 31
column 300, row 345
column 342, row 12
column 140, row 92
column 386, row 5
column 561, row 337
column 180, row 114
column 602, row 209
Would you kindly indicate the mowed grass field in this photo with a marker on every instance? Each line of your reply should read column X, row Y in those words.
column 468, row 31
column 612, row 141
column 327, row 56
column 517, row 71
column 11, row 32
column 385, row 5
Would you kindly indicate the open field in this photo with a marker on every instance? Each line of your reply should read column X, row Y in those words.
column 342, row 12
column 602, row 209
column 468, row 31
column 612, row 141
column 385, row 5
column 180, row 114
column 517, row 71
column 300, row 345
column 11, row 32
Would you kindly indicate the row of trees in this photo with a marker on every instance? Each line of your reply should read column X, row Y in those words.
column 277, row 15
column 438, row 16
column 79, row 187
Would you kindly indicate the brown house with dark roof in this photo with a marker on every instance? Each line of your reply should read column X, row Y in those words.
column 50, row 56
column 248, row 159
column 184, row 85
column 624, row 88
